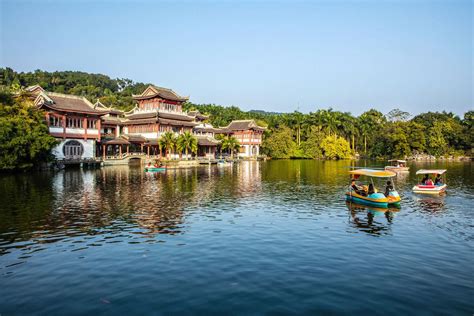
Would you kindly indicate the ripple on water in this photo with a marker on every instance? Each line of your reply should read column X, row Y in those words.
column 270, row 237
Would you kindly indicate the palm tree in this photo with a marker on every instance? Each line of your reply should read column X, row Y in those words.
column 168, row 142
column 186, row 142
column 230, row 143
column 220, row 138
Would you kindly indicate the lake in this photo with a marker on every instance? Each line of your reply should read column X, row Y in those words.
column 273, row 237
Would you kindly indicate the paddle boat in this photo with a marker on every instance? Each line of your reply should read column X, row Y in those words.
column 368, row 195
column 397, row 165
column 155, row 169
column 427, row 185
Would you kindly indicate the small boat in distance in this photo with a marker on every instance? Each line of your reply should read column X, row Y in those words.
column 397, row 165
column 153, row 169
column 158, row 166
column 428, row 185
column 369, row 195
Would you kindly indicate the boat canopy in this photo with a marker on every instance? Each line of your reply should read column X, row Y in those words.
column 431, row 171
column 373, row 173
column 397, row 160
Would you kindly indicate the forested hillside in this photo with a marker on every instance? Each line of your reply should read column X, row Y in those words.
column 111, row 92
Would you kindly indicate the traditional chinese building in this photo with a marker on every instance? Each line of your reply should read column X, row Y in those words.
column 73, row 121
column 87, row 130
column 160, row 110
column 249, row 135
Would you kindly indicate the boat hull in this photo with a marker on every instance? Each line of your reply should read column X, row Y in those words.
column 376, row 200
column 429, row 189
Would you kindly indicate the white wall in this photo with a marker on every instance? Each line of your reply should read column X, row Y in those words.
column 88, row 145
column 248, row 151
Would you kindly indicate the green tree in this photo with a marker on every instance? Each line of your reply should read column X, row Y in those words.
column 311, row 147
column 24, row 136
column 280, row 144
column 370, row 123
column 416, row 137
column 187, row 141
column 168, row 142
column 230, row 143
column 437, row 145
column 335, row 147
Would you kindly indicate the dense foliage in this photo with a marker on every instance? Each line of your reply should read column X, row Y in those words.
column 372, row 134
column 292, row 135
column 24, row 137
column 111, row 92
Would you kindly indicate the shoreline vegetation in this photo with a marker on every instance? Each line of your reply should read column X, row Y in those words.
column 322, row 134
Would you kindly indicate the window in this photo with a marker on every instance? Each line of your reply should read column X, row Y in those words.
column 91, row 124
column 73, row 122
column 55, row 121
column 73, row 149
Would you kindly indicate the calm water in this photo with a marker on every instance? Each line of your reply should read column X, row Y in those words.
column 272, row 237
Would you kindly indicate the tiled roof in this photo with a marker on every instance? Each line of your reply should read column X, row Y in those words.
column 100, row 106
column 198, row 115
column 243, row 125
column 206, row 140
column 177, row 123
column 139, row 116
column 207, row 128
column 139, row 121
column 135, row 138
column 117, row 141
column 175, row 116
column 152, row 141
column 154, row 91
column 67, row 103
column 34, row 90
column 112, row 120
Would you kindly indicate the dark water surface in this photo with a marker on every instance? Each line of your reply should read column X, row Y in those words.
column 270, row 237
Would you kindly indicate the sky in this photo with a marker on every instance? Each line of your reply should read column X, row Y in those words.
column 265, row 55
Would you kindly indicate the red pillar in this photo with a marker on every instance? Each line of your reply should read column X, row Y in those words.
column 99, row 127
column 103, row 151
column 64, row 125
column 84, row 123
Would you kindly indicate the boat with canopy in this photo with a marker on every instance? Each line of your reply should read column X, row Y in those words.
column 397, row 165
column 368, row 194
column 428, row 185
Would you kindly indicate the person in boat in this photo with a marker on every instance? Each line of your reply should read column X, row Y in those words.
column 388, row 188
column 356, row 188
column 156, row 165
column 429, row 182
column 371, row 189
column 148, row 166
column 438, row 180
column 425, row 178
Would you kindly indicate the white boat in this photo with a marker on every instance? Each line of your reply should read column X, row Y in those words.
column 430, row 187
column 397, row 165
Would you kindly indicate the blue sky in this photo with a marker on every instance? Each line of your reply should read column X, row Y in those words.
column 267, row 55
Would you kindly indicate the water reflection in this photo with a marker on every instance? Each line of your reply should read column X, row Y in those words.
column 254, row 236
column 371, row 220
column 430, row 204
